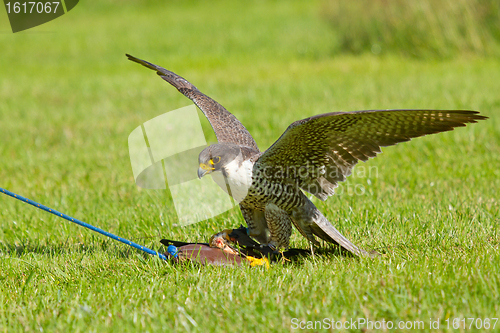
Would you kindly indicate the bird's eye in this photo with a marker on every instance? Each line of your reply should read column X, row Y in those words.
column 216, row 159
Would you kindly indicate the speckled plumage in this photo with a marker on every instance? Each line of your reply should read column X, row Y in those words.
column 312, row 155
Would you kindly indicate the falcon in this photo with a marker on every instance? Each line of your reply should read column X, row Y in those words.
column 313, row 155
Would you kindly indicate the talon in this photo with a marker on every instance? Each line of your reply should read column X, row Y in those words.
column 271, row 246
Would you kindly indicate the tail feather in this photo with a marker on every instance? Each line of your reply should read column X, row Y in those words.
column 326, row 231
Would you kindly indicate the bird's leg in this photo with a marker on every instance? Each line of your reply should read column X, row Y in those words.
column 283, row 256
column 280, row 226
column 312, row 248
column 257, row 225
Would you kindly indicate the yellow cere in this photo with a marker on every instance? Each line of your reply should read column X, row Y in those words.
column 206, row 167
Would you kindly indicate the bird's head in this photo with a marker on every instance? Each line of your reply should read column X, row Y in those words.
column 215, row 157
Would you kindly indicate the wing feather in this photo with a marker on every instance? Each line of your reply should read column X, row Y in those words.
column 227, row 128
column 326, row 147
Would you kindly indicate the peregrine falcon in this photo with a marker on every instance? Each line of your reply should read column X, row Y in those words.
column 312, row 155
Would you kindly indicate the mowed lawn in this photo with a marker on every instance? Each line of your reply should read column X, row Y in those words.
column 69, row 98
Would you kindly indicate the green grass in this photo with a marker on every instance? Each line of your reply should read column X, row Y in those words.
column 425, row 28
column 69, row 99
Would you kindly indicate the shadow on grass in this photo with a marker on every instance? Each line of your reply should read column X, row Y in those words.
column 96, row 246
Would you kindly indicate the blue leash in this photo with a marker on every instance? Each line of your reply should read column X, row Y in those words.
column 83, row 224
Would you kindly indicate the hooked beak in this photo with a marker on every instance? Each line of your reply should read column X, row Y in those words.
column 203, row 170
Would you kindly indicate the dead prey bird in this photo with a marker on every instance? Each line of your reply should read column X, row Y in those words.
column 312, row 155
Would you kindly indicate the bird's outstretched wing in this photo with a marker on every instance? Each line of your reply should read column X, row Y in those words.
column 320, row 151
column 227, row 128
